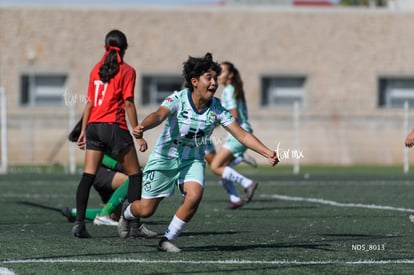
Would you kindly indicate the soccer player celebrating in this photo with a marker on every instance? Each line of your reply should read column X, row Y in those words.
column 104, row 127
column 178, row 156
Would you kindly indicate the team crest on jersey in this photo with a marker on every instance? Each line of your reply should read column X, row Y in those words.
column 169, row 99
column 212, row 117
column 147, row 186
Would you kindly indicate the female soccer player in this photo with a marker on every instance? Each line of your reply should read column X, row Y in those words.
column 178, row 156
column 233, row 99
column 111, row 183
column 104, row 127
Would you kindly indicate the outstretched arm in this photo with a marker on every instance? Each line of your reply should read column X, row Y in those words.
column 133, row 120
column 131, row 112
column 152, row 120
column 252, row 142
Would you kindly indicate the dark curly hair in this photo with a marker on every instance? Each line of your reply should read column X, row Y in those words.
column 115, row 45
column 194, row 67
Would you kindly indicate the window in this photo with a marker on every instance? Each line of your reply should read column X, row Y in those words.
column 155, row 88
column 282, row 90
column 42, row 89
column 393, row 92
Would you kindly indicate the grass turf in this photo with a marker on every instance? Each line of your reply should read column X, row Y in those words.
column 305, row 232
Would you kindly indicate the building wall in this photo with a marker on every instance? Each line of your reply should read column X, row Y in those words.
column 342, row 53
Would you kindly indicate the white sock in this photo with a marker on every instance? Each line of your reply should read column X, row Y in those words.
column 175, row 228
column 234, row 176
column 128, row 214
column 231, row 190
column 236, row 161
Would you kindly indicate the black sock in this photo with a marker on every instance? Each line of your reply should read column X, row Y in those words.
column 135, row 187
column 82, row 195
column 163, row 239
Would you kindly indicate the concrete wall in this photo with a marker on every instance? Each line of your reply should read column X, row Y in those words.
column 341, row 52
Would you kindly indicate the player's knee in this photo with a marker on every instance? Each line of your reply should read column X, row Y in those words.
column 142, row 210
column 215, row 168
column 193, row 198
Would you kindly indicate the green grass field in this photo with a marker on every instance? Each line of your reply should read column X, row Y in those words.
column 326, row 220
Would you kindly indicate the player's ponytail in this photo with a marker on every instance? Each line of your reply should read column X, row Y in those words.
column 115, row 46
column 236, row 81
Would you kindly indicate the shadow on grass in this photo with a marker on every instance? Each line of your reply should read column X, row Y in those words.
column 40, row 206
column 211, row 233
column 59, row 210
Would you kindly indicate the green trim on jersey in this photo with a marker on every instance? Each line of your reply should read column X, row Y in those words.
column 186, row 132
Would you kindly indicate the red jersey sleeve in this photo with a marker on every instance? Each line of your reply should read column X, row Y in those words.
column 129, row 83
column 91, row 85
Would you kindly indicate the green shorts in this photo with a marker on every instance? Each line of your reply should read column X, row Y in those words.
column 234, row 146
column 158, row 183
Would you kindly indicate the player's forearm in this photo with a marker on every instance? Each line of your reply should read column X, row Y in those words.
column 131, row 112
column 256, row 145
column 151, row 121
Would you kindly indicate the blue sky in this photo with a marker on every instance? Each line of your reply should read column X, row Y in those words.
column 115, row 2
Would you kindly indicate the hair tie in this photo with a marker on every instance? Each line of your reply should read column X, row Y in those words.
column 116, row 49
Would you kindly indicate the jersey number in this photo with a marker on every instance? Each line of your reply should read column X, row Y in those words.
column 100, row 90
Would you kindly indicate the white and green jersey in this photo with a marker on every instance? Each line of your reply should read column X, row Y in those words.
column 228, row 99
column 186, row 132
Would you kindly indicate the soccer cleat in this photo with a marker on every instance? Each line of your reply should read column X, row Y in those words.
column 67, row 212
column 79, row 230
column 166, row 246
column 250, row 160
column 235, row 205
column 139, row 230
column 104, row 220
column 250, row 191
column 124, row 225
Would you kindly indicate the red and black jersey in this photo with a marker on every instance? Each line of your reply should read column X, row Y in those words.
column 108, row 99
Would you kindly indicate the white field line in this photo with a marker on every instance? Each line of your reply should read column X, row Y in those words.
column 339, row 204
column 228, row 262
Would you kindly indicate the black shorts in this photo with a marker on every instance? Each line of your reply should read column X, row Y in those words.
column 108, row 138
column 103, row 183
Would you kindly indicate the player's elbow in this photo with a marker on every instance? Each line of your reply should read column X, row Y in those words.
column 129, row 104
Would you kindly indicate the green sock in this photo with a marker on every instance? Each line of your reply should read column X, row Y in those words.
column 90, row 213
column 116, row 199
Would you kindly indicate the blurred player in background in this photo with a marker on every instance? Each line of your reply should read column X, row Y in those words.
column 104, row 127
column 233, row 99
column 178, row 156
column 210, row 153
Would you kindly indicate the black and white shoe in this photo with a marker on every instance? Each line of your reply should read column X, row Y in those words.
column 67, row 212
column 79, row 230
column 166, row 246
